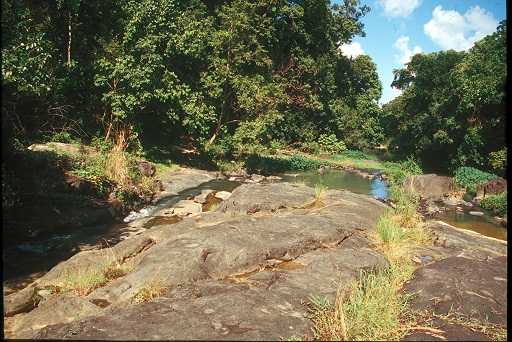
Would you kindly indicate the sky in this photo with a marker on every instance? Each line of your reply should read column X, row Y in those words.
column 398, row 29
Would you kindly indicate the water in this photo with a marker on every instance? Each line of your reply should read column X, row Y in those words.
column 345, row 180
column 44, row 254
column 342, row 180
column 485, row 225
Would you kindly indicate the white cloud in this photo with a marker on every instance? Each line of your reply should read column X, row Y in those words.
column 451, row 30
column 399, row 8
column 405, row 54
column 352, row 50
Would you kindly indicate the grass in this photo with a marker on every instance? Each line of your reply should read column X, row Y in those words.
column 366, row 309
column 372, row 307
column 82, row 280
column 320, row 189
column 424, row 319
column 154, row 288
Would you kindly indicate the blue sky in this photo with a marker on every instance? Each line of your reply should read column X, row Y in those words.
column 397, row 29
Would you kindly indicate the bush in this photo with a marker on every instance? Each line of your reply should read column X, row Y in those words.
column 469, row 178
column 398, row 171
column 495, row 203
column 498, row 160
column 331, row 144
column 312, row 147
column 267, row 165
column 358, row 155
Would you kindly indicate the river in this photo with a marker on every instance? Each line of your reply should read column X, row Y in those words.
column 40, row 256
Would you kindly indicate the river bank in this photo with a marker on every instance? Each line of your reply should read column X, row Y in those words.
column 268, row 246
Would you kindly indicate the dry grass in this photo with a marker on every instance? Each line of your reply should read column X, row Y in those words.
column 82, row 280
column 372, row 307
column 154, row 288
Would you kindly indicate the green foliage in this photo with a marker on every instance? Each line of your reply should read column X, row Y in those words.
column 495, row 203
column 469, row 178
column 274, row 164
column 498, row 161
column 311, row 147
column 398, row 171
column 331, row 144
column 63, row 137
column 453, row 104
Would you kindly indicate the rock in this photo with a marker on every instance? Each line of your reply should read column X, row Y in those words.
column 145, row 168
column 240, row 173
column 294, row 175
column 223, row 195
column 208, row 253
column 469, row 279
column 453, row 202
column 273, row 178
column 176, row 182
column 476, row 213
column 257, row 178
column 243, row 272
column 470, row 287
column 429, row 185
column 250, row 199
column 201, row 198
column 79, row 185
column 423, row 260
column 323, row 169
column 495, row 186
column 186, row 207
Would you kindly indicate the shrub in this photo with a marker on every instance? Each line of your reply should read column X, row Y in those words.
column 331, row 144
column 398, row 171
column 312, row 147
column 469, row 178
column 498, row 160
column 264, row 164
column 358, row 155
column 495, row 203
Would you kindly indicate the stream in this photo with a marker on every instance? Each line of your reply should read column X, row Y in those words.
column 40, row 256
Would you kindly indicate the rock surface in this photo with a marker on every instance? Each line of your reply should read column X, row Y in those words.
column 429, row 185
column 245, row 270
column 222, row 268
column 495, row 186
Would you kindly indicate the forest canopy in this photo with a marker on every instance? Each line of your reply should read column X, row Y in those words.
column 229, row 77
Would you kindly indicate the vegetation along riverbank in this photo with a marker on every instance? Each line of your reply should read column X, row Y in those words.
column 103, row 103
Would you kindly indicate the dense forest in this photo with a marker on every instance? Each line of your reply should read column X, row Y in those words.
column 234, row 77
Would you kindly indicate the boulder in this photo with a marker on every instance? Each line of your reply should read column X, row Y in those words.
column 238, row 173
column 79, row 185
column 495, row 186
column 429, row 185
column 145, row 168
column 257, row 178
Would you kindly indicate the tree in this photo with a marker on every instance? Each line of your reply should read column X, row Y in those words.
column 480, row 80
column 453, row 104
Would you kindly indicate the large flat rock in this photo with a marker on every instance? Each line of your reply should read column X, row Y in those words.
column 246, row 270
column 260, row 227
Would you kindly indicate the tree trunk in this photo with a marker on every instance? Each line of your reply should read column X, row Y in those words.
column 69, row 38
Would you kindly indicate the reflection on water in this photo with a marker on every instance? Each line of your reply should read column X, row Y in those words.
column 479, row 224
column 342, row 180
column 345, row 180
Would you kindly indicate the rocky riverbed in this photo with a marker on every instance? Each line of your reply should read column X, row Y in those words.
column 244, row 271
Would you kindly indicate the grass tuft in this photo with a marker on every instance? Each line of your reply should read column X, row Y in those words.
column 372, row 308
column 153, row 289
